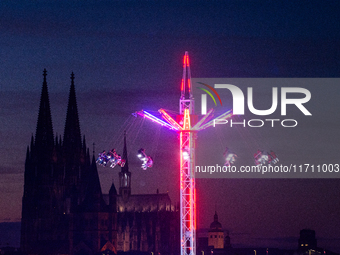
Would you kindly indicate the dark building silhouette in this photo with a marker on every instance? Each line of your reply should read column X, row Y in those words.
column 307, row 240
column 307, row 244
column 64, row 210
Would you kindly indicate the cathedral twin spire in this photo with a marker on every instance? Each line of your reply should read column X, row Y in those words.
column 44, row 143
column 65, row 160
column 44, row 133
column 72, row 136
column 59, row 178
column 44, row 140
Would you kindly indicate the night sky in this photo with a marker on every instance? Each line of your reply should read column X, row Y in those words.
column 127, row 56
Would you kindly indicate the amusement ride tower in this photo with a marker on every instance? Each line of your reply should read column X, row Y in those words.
column 187, row 125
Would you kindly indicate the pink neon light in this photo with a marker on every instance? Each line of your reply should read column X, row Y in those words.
column 155, row 119
column 186, row 121
column 168, row 118
column 189, row 213
column 195, row 219
column 181, row 160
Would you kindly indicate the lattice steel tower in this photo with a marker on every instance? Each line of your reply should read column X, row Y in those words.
column 187, row 125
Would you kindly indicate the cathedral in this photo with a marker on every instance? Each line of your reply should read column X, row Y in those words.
column 64, row 210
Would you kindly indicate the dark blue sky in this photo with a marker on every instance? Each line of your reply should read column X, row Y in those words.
column 127, row 55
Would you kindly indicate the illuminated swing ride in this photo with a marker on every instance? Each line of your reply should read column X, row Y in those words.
column 187, row 125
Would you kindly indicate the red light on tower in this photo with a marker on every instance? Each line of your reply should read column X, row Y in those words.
column 187, row 125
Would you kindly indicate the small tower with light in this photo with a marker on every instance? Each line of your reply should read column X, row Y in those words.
column 215, row 234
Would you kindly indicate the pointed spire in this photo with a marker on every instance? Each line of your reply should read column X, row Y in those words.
column 27, row 160
column 45, row 74
column 95, row 183
column 125, row 175
column 125, row 168
column 72, row 78
column 215, row 217
column 187, row 98
column 186, row 91
column 44, row 140
column 72, row 138
column 113, row 190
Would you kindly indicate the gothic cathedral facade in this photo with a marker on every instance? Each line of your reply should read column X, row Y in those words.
column 64, row 210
